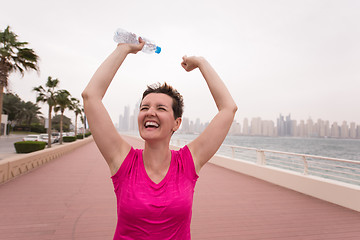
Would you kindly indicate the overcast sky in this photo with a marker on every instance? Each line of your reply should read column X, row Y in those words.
column 276, row 57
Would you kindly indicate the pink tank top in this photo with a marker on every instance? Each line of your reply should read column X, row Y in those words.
column 147, row 210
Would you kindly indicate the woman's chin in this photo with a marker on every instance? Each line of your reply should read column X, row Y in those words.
column 149, row 135
column 153, row 135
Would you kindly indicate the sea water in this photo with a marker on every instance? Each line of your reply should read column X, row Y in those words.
column 326, row 147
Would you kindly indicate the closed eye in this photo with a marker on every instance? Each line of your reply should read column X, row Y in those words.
column 162, row 107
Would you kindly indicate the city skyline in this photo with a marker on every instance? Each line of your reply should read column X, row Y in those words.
column 256, row 126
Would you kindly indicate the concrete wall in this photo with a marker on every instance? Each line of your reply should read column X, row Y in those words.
column 22, row 163
column 343, row 194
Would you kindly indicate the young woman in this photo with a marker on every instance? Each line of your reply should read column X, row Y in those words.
column 154, row 186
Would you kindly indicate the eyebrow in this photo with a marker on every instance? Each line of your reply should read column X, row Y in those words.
column 162, row 105
column 159, row 105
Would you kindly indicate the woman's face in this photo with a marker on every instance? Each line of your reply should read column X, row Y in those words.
column 156, row 117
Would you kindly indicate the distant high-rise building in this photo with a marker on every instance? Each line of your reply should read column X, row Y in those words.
column 134, row 117
column 198, row 126
column 120, row 122
column 302, row 129
column 309, row 128
column 352, row 131
column 185, row 125
column 321, row 127
column 281, row 125
column 192, row 127
column 124, row 120
column 284, row 126
column 294, row 128
column 246, row 129
column 335, row 131
column 268, row 128
column 288, row 127
column 327, row 129
column 344, row 130
column 256, row 126
column 235, row 128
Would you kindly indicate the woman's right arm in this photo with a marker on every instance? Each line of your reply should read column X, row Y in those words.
column 111, row 145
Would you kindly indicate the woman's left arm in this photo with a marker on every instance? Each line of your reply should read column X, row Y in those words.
column 209, row 141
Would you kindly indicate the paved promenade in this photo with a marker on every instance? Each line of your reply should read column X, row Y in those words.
column 72, row 198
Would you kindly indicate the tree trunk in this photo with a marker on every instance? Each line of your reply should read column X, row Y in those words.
column 29, row 121
column 1, row 103
column 76, row 124
column 49, row 127
column 61, row 127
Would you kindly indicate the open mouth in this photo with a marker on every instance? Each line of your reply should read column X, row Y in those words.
column 151, row 124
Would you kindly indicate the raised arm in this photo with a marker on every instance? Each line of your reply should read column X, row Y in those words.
column 209, row 141
column 110, row 143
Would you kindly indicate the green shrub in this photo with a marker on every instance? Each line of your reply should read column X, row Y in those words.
column 69, row 139
column 87, row 134
column 38, row 128
column 79, row 136
column 29, row 146
column 21, row 128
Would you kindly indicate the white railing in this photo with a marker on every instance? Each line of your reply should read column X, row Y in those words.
column 331, row 168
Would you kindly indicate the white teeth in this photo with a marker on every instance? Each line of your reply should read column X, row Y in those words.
column 151, row 124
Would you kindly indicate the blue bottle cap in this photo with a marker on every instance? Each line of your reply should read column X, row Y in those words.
column 158, row 49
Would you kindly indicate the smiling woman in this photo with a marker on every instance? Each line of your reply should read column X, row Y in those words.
column 154, row 186
column 160, row 102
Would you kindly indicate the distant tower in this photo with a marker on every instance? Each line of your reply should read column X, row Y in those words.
column 134, row 117
column 352, row 131
column 309, row 128
column 301, row 129
column 344, row 130
column 185, row 126
column 126, row 122
column 288, row 128
column 281, row 126
column 335, row 132
column 256, row 126
column 246, row 129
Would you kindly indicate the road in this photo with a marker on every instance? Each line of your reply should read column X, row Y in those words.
column 7, row 145
column 7, row 148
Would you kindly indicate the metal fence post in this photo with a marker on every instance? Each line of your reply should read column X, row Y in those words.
column 260, row 156
column 306, row 167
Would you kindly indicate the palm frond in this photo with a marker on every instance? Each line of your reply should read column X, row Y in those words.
column 15, row 56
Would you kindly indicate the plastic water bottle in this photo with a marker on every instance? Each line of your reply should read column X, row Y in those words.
column 123, row 36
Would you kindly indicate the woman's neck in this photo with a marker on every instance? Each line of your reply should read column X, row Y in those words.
column 157, row 156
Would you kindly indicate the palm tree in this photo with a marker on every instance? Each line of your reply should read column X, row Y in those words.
column 48, row 96
column 31, row 111
column 13, row 106
column 63, row 102
column 14, row 57
column 83, row 121
column 19, row 110
column 76, row 107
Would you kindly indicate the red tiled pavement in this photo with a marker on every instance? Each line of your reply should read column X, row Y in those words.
column 72, row 198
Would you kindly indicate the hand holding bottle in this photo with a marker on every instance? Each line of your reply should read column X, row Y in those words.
column 133, row 47
column 123, row 36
